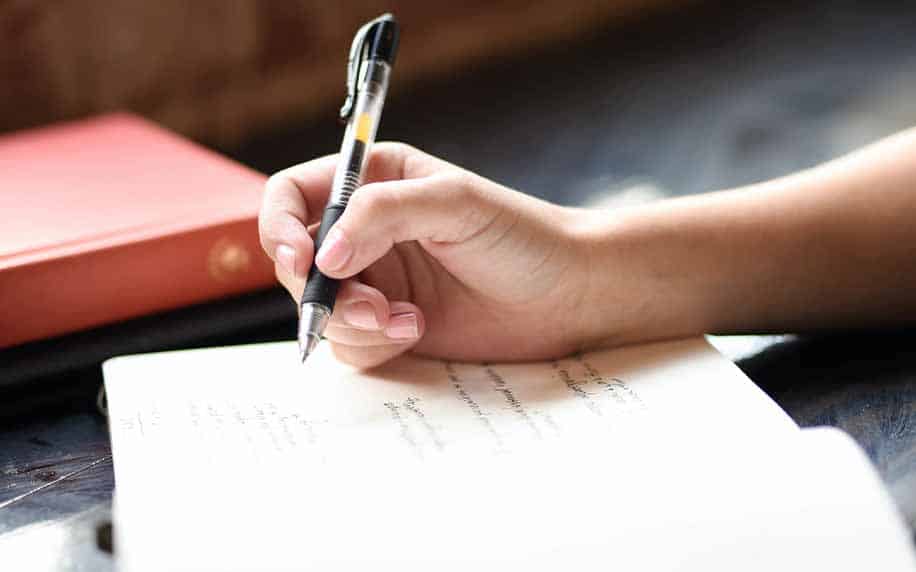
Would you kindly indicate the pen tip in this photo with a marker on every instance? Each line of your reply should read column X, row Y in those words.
column 308, row 347
column 313, row 319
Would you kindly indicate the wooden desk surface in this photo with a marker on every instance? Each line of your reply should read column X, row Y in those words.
column 741, row 94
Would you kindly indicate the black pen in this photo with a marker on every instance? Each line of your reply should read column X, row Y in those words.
column 368, row 68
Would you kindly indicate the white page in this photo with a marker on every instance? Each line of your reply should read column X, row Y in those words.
column 259, row 450
column 809, row 503
column 260, row 402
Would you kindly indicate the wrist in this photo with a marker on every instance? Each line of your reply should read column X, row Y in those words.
column 646, row 278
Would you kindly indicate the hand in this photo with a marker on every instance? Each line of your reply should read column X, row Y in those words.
column 444, row 262
column 433, row 259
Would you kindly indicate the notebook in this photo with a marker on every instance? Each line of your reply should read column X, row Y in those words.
column 655, row 457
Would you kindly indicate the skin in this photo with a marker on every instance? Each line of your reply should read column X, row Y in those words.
column 445, row 263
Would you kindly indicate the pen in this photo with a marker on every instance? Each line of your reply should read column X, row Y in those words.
column 368, row 68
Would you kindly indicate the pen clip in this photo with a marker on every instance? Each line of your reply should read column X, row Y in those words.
column 358, row 52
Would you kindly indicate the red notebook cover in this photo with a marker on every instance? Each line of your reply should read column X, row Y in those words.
column 113, row 218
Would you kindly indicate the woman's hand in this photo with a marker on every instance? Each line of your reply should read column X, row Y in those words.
column 442, row 261
column 433, row 259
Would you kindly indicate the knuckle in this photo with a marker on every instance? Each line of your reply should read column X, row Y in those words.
column 376, row 201
column 274, row 184
column 396, row 148
column 390, row 146
column 473, row 210
column 462, row 187
column 280, row 195
column 400, row 157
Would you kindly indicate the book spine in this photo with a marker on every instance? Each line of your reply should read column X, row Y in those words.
column 64, row 295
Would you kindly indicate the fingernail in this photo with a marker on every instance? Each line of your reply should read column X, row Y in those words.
column 335, row 251
column 286, row 256
column 360, row 315
column 403, row 326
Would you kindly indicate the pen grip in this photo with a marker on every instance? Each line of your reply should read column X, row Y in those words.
column 319, row 288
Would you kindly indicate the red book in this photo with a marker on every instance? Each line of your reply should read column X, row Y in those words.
column 113, row 218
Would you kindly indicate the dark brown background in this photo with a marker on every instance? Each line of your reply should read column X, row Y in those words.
column 219, row 71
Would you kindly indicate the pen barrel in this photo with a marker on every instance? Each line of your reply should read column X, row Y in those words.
column 320, row 289
column 348, row 177
column 360, row 133
column 354, row 152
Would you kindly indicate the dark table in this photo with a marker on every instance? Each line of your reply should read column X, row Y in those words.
column 743, row 92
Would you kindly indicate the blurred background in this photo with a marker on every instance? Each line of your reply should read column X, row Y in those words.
column 567, row 100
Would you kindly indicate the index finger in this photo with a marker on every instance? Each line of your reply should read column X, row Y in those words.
column 293, row 199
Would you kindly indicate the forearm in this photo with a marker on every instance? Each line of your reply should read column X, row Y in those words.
column 832, row 247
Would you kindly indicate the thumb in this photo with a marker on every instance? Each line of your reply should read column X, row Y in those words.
column 438, row 208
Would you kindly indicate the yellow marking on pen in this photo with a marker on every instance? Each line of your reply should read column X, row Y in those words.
column 364, row 127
